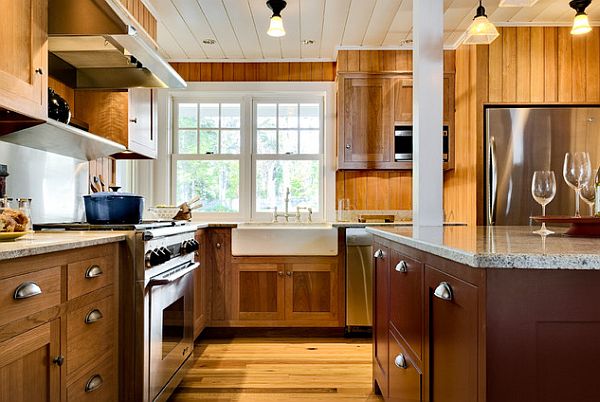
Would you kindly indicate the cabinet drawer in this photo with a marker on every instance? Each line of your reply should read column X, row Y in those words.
column 406, row 300
column 88, row 275
column 404, row 378
column 90, row 334
column 97, row 384
column 30, row 293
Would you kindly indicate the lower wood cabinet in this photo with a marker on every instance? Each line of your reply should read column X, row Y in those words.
column 405, row 378
column 52, row 347
column 202, row 287
column 381, row 307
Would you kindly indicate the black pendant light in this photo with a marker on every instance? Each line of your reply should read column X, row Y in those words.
column 581, row 22
column 276, row 25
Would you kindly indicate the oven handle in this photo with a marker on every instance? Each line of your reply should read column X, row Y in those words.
column 172, row 278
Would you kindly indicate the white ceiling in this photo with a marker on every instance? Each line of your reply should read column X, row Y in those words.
column 239, row 26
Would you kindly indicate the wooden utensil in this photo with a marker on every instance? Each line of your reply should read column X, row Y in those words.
column 102, row 182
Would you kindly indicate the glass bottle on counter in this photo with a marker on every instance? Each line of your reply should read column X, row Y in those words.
column 24, row 205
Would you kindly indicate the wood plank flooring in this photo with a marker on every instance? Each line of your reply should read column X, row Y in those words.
column 282, row 369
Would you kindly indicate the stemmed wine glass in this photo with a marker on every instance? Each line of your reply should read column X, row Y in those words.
column 577, row 171
column 588, row 194
column 543, row 189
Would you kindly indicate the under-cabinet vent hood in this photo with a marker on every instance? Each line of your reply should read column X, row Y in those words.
column 97, row 44
column 62, row 139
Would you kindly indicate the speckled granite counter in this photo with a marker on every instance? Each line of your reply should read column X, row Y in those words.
column 49, row 242
column 499, row 246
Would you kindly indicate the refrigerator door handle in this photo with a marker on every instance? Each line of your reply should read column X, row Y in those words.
column 493, row 183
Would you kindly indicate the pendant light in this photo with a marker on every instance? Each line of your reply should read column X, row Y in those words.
column 581, row 22
column 276, row 26
column 481, row 31
column 517, row 3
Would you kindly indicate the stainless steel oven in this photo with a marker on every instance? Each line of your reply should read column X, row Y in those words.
column 403, row 143
column 171, row 298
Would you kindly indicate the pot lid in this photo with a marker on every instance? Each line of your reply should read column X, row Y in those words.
column 107, row 194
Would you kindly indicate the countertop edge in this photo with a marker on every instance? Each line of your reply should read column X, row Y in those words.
column 31, row 250
column 497, row 261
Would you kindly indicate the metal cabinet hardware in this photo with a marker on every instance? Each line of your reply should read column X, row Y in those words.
column 443, row 291
column 218, row 245
column 94, row 383
column 289, row 273
column 134, row 120
column 348, row 146
column 59, row 360
column 379, row 254
column 39, row 71
column 93, row 316
column 27, row 290
column 402, row 267
column 400, row 361
column 280, row 273
column 93, row 271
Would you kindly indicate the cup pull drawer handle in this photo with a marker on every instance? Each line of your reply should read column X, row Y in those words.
column 443, row 291
column 93, row 271
column 400, row 361
column 379, row 254
column 93, row 383
column 93, row 316
column 27, row 290
column 402, row 267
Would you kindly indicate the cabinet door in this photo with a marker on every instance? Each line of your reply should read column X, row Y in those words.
column 381, row 317
column 142, row 122
column 201, row 286
column 312, row 292
column 24, row 57
column 403, row 99
column 367, row 122
column 258, row 291
column 451, row 350
column 217, row 251
column 27, row 371
column 406, row 300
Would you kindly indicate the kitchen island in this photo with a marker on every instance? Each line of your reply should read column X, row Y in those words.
column 485, row 314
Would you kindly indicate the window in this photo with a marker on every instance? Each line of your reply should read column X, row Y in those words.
column 241, row 163
column 208, row 154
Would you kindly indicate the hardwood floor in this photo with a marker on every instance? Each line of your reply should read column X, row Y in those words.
column 279, row 369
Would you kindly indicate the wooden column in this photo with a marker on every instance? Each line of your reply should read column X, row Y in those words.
column 428, row 93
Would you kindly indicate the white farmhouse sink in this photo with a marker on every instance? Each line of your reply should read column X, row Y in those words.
column 291, row 239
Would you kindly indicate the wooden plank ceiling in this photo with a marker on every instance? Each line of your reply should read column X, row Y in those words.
column 238, row 27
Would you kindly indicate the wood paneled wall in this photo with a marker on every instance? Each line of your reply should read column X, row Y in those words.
column 139, row 11
column 309, row 71
column 373, row 61
column 103, row 166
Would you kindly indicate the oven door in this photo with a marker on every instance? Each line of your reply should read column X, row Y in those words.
column 171, row 324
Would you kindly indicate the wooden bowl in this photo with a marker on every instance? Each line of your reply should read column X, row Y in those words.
column 588, row 226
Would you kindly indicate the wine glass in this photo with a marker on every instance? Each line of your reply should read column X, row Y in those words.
column 577, row 171
column 588, row 194
column 543, row 190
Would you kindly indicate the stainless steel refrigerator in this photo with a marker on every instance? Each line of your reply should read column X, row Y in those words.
column 521, row 140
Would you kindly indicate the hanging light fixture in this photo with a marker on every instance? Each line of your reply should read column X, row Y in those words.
column 517, row 3
column 481, row 31
column 276, row 26
column 581, row 22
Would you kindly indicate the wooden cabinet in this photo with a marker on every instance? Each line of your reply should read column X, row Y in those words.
column 218, row 251
column 404, row 375
column 311, row 291
column 127, row 117
column 24, row 57
column 58, row 335
column 381, row 305
column 451, row 309
column 403, row 100
column 258, row 291
column 201, row 286
column 365, row 122
column 27, row 370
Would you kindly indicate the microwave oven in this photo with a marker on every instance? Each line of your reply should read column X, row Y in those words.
column 403, row 143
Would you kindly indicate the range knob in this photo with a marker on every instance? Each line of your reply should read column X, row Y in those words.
column 183, row 248
column 166, row 254
column 193, row 246
column 153, row 258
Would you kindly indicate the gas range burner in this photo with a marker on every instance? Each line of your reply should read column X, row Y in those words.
column 78, row 226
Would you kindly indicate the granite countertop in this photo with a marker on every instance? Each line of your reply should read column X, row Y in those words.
column 499, row 246
column 49, row 242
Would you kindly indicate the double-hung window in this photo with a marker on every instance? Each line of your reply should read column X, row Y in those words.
column 240, row 156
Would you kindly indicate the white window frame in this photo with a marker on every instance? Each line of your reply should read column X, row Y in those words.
column 289, row 98
column 163, row 186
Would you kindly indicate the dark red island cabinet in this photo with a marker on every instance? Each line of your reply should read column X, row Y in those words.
column 447, row 332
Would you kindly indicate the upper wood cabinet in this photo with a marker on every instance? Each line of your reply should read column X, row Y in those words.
column 24, row 57
column 365, row 122
column 403, row 100
column 126, row 117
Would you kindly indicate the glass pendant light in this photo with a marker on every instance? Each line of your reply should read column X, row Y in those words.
column 517, row 3
column 581, row 22
column 481, row 31
column 276, row 26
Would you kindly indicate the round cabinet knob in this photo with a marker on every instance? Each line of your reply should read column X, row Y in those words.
column 39, row 71
column 280, row 273
column 443, row 291
column 379, row 254
column 348, row 146
column 218, row 245
column 402, row 267
column 289, row 273
column 400, row 361
column 59, row 360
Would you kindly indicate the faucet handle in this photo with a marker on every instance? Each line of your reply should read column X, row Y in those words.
column 309, row 214
column 298, row 216
column 275, row 214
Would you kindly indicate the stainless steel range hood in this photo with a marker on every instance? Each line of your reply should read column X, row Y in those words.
column 97, row 44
